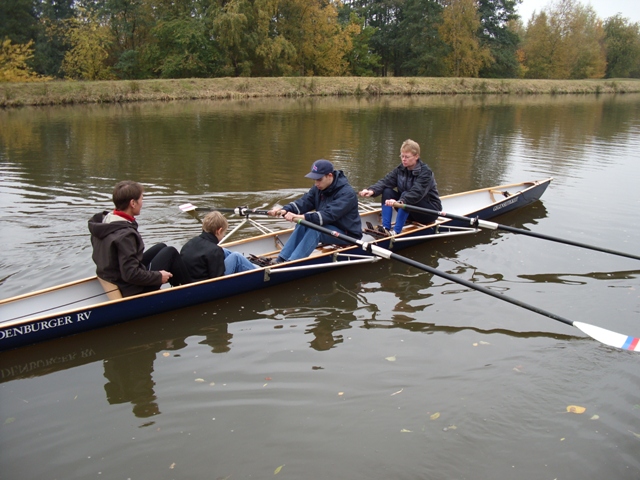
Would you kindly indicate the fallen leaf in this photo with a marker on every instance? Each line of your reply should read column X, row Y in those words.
column 636, row 434
column 172, row 466
column 391, row 359
column 562, row 439
column 435, row 416
column 576, row 409
column 9, row 420
column 404, row 430
column 399, row 391
column 340, row 393
column 199, row 380
column 595, row 417
column 166, row 354
column 277, row 470
column 482, row 342
column 267, row 378
column 475, row 344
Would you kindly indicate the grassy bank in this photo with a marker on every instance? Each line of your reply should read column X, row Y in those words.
column 72, row 92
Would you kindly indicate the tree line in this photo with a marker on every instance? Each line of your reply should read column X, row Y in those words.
column 139, row 39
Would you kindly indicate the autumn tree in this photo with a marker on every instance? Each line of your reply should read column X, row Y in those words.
column 566, row 42
column 14, row 60
column 622, row 44
column 89, row 38
column 460, row 24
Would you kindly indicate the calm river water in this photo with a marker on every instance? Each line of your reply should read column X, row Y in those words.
column 378, row 372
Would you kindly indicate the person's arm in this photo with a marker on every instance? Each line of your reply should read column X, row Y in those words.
column 390, row 180
column 130, row 268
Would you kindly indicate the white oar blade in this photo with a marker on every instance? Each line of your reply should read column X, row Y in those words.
column 610, row 338
column 187, row 207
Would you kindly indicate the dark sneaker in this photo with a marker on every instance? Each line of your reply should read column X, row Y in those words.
column 261, row 261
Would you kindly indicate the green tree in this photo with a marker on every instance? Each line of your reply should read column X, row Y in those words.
column 496, row 33
column 460, row 24
column 419, row 44
column 622, row 44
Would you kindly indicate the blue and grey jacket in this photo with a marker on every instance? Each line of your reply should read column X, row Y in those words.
column 336, row 205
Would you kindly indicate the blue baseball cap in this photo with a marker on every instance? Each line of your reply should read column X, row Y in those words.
column 319, row 169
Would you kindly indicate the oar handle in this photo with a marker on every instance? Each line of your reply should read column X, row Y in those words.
column 476, row 222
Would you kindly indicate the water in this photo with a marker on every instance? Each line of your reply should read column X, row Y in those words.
column 381, row 371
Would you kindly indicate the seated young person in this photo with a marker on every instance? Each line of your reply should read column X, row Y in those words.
column 412, row 183
column 205, row 259
column 331, row 203
column 118, row 249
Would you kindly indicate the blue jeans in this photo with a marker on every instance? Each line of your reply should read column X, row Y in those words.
column 235, row 262
column 304, row 240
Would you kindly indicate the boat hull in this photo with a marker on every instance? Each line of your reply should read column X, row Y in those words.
column 47, row 314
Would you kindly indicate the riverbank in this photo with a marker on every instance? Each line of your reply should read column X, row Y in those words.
column 75, row 92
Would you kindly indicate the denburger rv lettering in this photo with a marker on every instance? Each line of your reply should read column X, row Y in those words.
column 10, row 332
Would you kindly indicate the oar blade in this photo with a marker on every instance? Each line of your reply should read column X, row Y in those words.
column 613, row 339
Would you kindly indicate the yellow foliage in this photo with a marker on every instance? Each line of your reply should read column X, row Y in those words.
column 13, row 63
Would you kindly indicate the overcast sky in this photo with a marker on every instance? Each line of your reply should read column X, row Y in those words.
column 604, row 8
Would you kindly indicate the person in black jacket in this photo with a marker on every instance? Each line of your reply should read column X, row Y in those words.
column 412, row 183
column 118, row 249
column 331, row 203
column 205, row 259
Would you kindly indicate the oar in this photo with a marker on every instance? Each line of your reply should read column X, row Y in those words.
column 606, row 337
column 476, row 222
column 243, row 211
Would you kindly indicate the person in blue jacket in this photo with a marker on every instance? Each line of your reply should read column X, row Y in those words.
column 412, row 183
column 331, row 203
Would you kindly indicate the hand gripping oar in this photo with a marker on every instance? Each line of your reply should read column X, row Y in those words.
column 476, row 222
column 607, row 337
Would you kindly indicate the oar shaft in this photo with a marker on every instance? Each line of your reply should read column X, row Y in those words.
column 243, row 211
column 476, row 222
column 388, row 254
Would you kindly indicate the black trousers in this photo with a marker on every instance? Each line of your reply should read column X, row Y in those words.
column 161, row 257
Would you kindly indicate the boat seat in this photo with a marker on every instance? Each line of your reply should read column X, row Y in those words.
column 112, row 290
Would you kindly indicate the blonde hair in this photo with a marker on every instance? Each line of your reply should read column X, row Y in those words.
column 411, row 146
column 213, row 222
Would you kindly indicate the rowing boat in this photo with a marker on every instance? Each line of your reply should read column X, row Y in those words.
column 91, row 303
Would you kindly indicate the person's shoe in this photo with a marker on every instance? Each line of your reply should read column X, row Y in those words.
column 386, row 232
column 261, row 261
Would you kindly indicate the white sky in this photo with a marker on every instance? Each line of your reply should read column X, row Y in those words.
column 604, row 8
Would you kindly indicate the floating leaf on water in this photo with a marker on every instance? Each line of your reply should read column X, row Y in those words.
column 199, row 380
column 636, row 434
column 391, row 359
column 340, row 394
column 435, row 416
column 482, row 342
column 166, row 354
column 404, row 430
column 277, row 470
column 267, row 378
column 595, row 417
column 575, row 409
column 9, row 420
column 562, row 439
column 172, row 466
column 475, row 344
column 399, row 391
